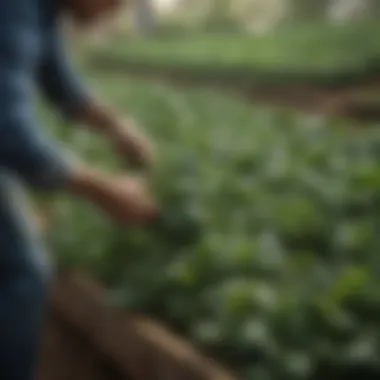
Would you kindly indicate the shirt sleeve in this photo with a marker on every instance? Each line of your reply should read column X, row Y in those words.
column 24, row 150
column 57, row 78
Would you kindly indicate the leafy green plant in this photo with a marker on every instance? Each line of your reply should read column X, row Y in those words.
column 267, row 253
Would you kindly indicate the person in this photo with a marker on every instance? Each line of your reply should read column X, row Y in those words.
column 33, row 58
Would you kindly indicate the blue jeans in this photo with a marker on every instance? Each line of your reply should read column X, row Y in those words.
column 23, row 284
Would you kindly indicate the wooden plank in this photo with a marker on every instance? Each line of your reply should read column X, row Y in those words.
column 91, row 335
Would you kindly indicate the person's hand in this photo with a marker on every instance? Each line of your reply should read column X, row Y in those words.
column 124, row 199
column 124, row 134
column 41, row 220
column 127, row 201
column 131, row 143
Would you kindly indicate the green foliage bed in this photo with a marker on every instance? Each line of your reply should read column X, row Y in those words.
column 313, row 53
column 271, row 257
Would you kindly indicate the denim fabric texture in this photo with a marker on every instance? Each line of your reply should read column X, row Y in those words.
column 32, row 57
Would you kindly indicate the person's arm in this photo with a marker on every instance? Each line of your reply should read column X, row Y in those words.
column 24, row 150
column 57, row 79
column 62, row 86
column 28, row 154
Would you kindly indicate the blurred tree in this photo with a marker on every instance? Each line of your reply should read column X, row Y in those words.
column 259, row 16
column 309, row 10
column 375, row 7
column 350, row 10
column 144, row 15
column 220, row 15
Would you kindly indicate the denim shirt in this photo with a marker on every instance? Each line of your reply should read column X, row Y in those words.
column 32, row 56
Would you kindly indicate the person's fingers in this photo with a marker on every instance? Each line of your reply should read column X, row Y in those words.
column 133, row 144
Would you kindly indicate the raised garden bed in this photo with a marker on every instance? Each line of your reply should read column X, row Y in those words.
column 87, row 338
column 322, row 55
